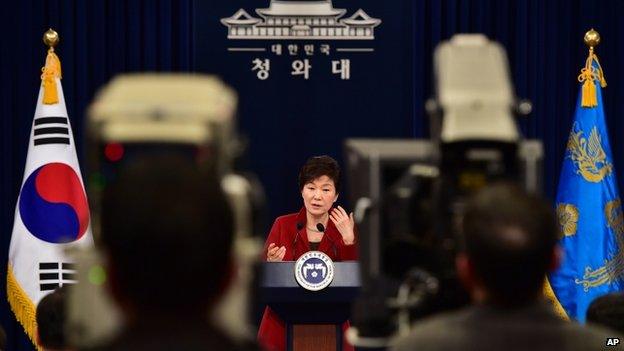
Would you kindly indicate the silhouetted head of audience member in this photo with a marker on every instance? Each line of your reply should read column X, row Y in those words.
column 167, row 233
column 608, row 311
column 508, row 244
column 51, row 320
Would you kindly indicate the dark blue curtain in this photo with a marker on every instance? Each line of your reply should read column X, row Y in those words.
column 98, row 40
column 101, row 38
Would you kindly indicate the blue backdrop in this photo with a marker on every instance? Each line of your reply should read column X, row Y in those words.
column 383, row 98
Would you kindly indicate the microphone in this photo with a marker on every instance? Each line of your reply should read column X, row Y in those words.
column 321, row 228
column 299, row 227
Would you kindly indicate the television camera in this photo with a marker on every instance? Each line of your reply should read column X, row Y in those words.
column 409, row 195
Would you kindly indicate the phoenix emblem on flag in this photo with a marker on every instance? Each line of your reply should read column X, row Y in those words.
column 612, row 270
column 588, row 155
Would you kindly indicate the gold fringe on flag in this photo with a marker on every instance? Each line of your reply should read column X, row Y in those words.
column 51, row 71
column 22, row 307
column 550, row 296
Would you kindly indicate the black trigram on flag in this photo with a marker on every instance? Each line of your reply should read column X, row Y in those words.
column 51, row 130
column 53, row 275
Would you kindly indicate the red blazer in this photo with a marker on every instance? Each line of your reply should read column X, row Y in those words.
column 272, row 332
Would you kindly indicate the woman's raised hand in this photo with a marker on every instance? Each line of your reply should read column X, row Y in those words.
column 344, row 223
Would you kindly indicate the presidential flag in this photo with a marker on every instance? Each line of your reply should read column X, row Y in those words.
column 52, row 212
column 588, row 205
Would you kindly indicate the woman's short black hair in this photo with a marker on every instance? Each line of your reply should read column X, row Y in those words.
column 318, row 166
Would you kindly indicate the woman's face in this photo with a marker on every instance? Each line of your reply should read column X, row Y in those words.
column 319, row 195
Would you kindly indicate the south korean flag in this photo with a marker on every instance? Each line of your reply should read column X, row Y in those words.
column 52, row 211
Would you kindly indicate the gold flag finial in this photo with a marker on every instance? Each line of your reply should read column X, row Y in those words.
column 590, row 74
column 52, row 69
column 50, row 38
column 592, row 38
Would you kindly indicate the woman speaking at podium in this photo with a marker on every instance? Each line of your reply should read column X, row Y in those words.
column 317, row 226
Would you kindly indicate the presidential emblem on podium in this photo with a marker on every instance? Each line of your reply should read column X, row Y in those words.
column 314, row 271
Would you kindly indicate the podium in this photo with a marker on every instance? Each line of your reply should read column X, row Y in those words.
column 313, row 318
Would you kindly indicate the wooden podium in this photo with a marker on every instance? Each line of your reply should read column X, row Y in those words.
column 313, row 318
